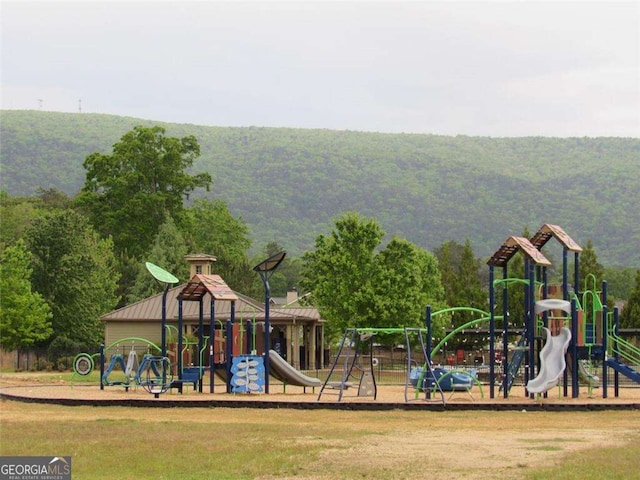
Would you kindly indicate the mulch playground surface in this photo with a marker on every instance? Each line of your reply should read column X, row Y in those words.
column 388, row 398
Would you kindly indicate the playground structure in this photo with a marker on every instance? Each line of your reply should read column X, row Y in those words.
column 351, row 371
column 565, row 337
column 232, row 350
column 575, row 336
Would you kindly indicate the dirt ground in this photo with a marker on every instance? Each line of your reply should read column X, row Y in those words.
column 31, row 385
column 491, row 445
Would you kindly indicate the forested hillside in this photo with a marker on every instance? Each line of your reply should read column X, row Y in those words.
column 290, row 184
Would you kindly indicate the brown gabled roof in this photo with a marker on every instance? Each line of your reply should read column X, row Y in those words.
column 201, row 285
column 514, row 244
column 548, row 231
column 246, row 308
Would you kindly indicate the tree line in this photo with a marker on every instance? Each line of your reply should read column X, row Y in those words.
column 66, row 261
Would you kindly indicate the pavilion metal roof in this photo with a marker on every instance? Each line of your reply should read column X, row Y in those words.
column 246, row 308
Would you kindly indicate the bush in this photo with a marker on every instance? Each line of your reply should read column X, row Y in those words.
column 44, row 364
column 61, row 352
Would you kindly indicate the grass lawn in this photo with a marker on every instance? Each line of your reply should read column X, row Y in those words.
column 222, row 443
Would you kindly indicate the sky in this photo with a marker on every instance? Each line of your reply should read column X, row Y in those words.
column 498, row 69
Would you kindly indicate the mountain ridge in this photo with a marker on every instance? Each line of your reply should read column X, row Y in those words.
column 290, row 184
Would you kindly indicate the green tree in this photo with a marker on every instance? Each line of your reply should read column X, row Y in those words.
column 589, row 265
column 285, row 279
column 469, row 292
column 619, row 281
column 168, row 251
column 213, row 230
column 630, row 316
column 16, row 214
column 406, row 280
column 339, row 270
column 75, row 271
column 25, row 318
column 447, row 254
column 353, row 286
column 130, row 193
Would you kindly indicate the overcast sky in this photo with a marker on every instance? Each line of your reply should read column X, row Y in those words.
column 509, row 68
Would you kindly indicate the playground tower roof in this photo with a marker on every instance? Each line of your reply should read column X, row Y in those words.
column 201, row 284
column 547, row 231
column 511, row 246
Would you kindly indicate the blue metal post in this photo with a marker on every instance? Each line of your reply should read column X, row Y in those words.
column 576, row 274
column 101, row 366
column 267, row 334
column 228, row 352
column 492, row 334
column 565, row 273
column 429, row 326
column 616, row 374
column 575, row 385
column 530, row 318
column 200, row 343
column 212, row 343
column 179, row 352
column 164, row 321
column 605, row 341
column 505, row 334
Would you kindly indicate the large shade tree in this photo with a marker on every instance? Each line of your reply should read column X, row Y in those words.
column 168, row 251
column 75, row 271
column 131, row 192
column 213, row 230
column 355, row 285
column 25, row 318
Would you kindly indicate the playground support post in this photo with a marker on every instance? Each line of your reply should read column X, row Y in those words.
column 605, row 341
column 228, row 352
column 576, row 274
column 505, row 335
column 575, row 386
column 265, row 269
column 200, row 343
column 164, row 320
column 212, row 343
column 429, row 333
column 492, row 335
column 101, row 365
column 267, row 335
column 530, row 322
column 180, row 339
column 565, row 271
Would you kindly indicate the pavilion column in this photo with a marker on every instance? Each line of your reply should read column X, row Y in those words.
column 295, row 358
column 312, row 347
column 289, row 343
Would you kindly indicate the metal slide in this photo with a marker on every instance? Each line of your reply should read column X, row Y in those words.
column 284, row 372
